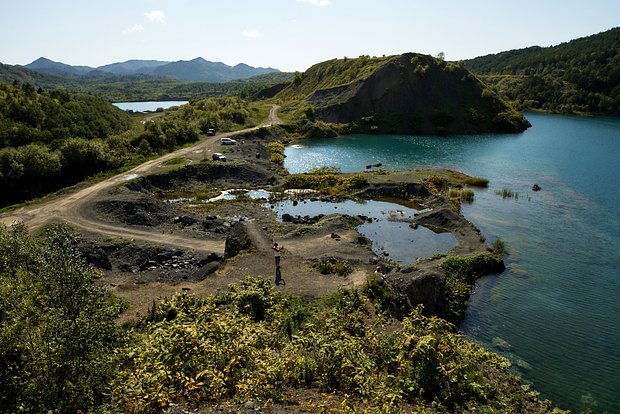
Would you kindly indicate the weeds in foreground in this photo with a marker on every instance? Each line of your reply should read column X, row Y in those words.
column 251, row 343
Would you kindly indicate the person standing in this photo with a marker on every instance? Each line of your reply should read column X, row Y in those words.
column 277, row 253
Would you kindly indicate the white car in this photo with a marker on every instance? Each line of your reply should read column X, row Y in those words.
column 227, row 141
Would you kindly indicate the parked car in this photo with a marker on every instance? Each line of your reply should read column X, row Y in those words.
column 210, row 131
column 227, row 141
column 218, row 156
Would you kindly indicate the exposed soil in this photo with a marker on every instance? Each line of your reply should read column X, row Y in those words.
column 148, row 248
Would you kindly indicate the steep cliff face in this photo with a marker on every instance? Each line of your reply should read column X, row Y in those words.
column 410, row 93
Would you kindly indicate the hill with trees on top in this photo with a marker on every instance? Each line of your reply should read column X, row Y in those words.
column 409, row 93
column 580, row 76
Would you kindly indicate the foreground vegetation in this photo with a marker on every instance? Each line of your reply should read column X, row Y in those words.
column 61, row 350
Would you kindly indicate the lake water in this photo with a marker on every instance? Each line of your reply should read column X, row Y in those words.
column 554, row 312
column 151, row 106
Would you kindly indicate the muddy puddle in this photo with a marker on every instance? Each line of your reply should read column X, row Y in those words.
column 389, row 236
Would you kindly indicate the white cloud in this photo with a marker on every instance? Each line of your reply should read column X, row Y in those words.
column 320, row 3
column 133, row 29
column 252, row 34
column 156, row 16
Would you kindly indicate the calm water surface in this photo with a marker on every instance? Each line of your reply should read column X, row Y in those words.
column 388, row 235
column 554, row 312
column 147, row 106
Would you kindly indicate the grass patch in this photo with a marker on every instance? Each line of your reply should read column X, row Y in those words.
column 498, row 247
column 467, row 196
column 461, row 273
column 477, row 182
column 507, row 193
column 174, row 161
column 325, row 180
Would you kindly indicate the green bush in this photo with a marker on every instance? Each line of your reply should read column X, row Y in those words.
column 58, row 332
column 331, row 265
column 213, row 352
column 477, row 182
column 461, row 273
column 436, row 183
column 276, row 148
column 467, row 196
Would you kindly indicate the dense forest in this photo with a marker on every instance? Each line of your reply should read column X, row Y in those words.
column 581, row 76
column 52, row 139
column 62, row 351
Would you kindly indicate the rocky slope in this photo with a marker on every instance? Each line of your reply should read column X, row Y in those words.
column 410, row 93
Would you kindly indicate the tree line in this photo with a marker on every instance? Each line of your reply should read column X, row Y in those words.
column 581, row 76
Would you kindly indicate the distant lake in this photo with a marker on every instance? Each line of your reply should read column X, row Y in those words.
column 147, row 106
column 554, row 312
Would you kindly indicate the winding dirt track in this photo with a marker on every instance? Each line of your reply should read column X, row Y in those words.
column 68, row 207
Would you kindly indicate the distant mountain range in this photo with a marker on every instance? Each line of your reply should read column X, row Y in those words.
column 197, row 70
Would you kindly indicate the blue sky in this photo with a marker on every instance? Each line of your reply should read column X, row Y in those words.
column 287, row 34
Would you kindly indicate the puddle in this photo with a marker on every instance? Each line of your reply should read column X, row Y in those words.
column 130, row 177
column 397, row 238
column 224, row 195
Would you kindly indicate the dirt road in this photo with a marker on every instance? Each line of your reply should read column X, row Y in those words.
column 67, row 206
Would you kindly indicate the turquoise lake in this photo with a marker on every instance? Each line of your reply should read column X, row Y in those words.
column 555, row 311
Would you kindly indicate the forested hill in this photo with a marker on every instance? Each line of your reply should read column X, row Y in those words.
column 582, row 75
column 409, row 93
column 51, row 139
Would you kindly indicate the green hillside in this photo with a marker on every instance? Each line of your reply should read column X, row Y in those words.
column 582, row 75
column 332, row 73
column 409, row 93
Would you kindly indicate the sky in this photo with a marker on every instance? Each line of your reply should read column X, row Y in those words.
column 290, row 35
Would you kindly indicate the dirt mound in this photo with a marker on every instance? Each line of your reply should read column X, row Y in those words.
column 148, row 262
column 217, row 172
column 441, row 219
column 137, row 209
column 405, row 191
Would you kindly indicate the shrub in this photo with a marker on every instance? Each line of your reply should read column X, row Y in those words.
column 58, row 331
column 276, row 149
column 477, row 182
column 213, row 353
column 461, row 273
column 331, row 265
column 436, row 183
column 498, row 247
column 467, row 196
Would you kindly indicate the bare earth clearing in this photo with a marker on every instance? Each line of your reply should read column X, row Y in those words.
column 148, row 248
column 141, row 287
